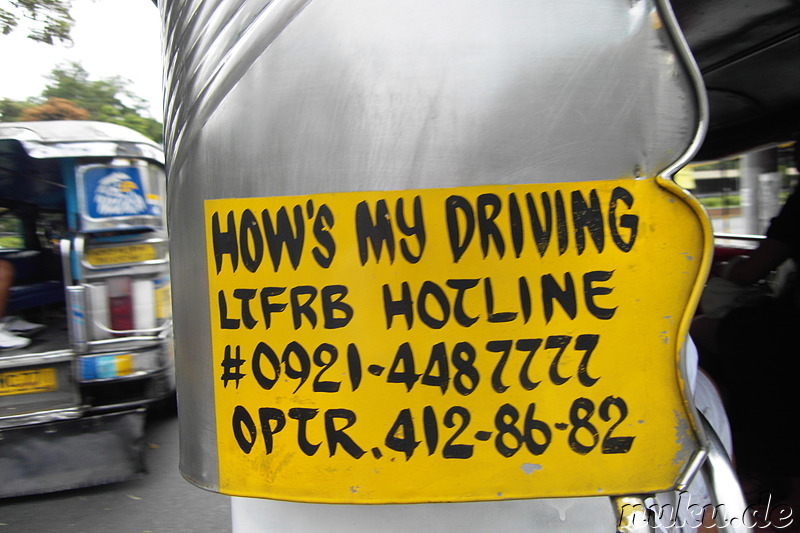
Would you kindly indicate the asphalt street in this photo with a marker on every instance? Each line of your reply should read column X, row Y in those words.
column 160, row 502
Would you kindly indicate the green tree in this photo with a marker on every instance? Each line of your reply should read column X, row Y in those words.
column 54, row 109
column 48, row 20
column 72, row 95
column 10, row 110
column 106, row 100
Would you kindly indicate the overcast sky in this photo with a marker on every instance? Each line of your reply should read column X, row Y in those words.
column 111, row 38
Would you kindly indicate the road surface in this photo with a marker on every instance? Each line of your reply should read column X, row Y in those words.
column 160, row 502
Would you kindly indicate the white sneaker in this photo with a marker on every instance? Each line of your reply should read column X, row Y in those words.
column 9, row 340
column 17, row 326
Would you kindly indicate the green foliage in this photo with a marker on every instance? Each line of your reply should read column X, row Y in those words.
column 105, row 100
column 11, row 243
column 10, row 235
column 70, row 94
column 10, row 110
column 712, row 202
column 54, row 109
column 722, row 164
column 48, row 20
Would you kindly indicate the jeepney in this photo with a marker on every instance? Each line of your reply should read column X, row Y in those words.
column 83, row 226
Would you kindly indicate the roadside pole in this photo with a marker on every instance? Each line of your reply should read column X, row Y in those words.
column 759, row 189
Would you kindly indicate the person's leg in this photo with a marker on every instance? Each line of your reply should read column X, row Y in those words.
column 761, row 376
column 6, row 279
column 8, row 340
column 704, row 332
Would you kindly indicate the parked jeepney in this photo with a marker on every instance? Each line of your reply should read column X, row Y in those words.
column 82, row 224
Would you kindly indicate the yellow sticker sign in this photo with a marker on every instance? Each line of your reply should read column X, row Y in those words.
column 475, row 343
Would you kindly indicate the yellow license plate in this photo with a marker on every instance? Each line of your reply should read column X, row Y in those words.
column 28, row 381
column 121, row 254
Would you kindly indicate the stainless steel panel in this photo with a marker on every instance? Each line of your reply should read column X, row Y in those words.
column 292, row 97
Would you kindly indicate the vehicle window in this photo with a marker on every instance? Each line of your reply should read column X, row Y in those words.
column 51, row 228
column 12, row 235
column 742, row 194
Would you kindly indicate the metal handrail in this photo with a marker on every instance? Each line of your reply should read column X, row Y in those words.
column 722, row 483
column 739, row 237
